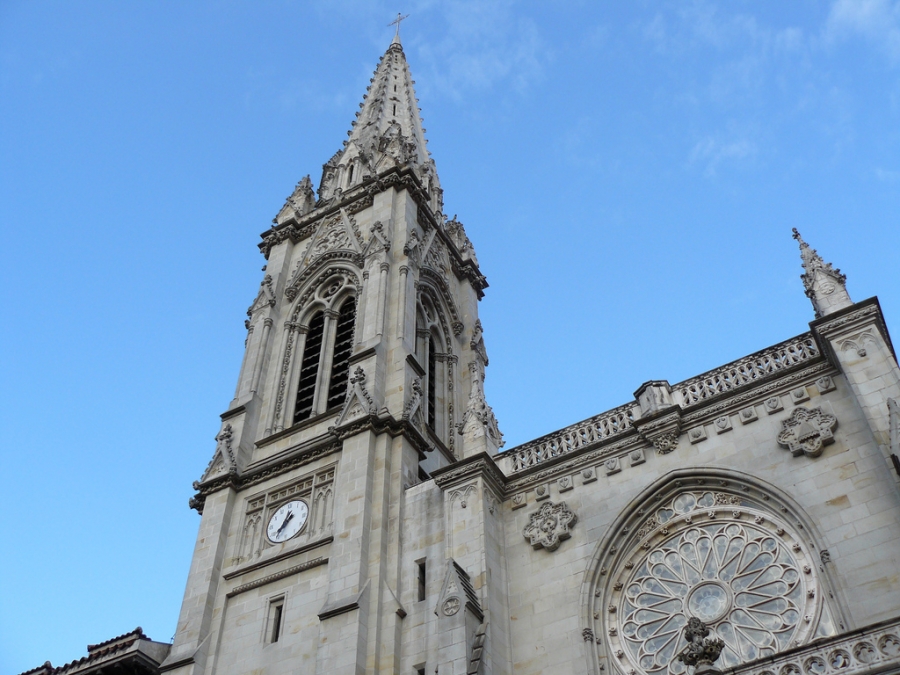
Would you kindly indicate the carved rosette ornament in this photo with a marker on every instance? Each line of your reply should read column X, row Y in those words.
column 549, row 527
column 665, row 443
column 807, row 431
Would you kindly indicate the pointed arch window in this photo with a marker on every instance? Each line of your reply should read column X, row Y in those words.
column 343, row 345
column 309, row 368
column 432, row 355
column 324, row 366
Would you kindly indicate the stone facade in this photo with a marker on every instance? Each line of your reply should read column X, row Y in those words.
column 761, row 497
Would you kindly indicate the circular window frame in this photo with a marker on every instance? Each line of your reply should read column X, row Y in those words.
column 636, row 533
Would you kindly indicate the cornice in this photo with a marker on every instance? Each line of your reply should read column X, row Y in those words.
column 571, row 462
column 384, row 422
column 284, row 555
column 850, row 319
column 286, row 462
column 315, row 562
column 361, row 197
column 481, row 466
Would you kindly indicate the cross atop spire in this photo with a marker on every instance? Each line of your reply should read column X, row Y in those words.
column 825, row 285
column 396, row 22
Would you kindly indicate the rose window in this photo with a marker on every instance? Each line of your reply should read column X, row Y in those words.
column 720, row 558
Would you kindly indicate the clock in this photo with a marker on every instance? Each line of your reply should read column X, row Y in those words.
column 287, row 521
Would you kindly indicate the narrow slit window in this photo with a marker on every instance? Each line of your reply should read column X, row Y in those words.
column 309, row 368
column 350, row 175
column 276, row 617
column 432, row 381
column 395, row 108
column 420, row 570
column 343, row 345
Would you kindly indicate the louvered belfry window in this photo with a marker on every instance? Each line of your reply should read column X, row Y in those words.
column 309, row 368
column 432, row 381
column 343, row 345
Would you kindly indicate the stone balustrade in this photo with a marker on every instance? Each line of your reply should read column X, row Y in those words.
column 746, row 371
column 869, row 650
column 736, row 375
column 585, row 433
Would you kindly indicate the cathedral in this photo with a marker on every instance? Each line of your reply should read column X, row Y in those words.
column 359, row 516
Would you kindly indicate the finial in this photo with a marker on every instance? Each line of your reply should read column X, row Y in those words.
column 825, row 285
column 396, row 22
column 701, row 651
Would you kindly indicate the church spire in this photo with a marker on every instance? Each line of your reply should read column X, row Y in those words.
column 387, row 133
column 824, row 284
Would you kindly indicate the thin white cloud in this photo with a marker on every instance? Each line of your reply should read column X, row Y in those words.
column 484, row 44
column 711, row 153
column 877, row 21
column 886, row 176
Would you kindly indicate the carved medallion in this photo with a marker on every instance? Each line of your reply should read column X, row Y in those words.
column 450, row 606
column 549, row 527
column 807, row 431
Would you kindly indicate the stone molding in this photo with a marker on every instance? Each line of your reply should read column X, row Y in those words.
column 480, row 466
column 284, row 555
column 288, row 461
column 850, row 320
column 290, row 571
column 343, row 605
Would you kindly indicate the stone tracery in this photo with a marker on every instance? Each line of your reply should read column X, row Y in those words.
column 721, row 554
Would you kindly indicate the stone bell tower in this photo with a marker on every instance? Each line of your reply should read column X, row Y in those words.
column 362, row 375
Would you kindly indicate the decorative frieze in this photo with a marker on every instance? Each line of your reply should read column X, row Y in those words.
column 799, row 395
column 748, row 415
column 773, row 405
column 825, row 384
column 722, row 424
column 697, row 435
column 612, row 466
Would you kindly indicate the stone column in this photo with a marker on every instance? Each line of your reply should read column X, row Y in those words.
column 320, row 402
column 259, row 357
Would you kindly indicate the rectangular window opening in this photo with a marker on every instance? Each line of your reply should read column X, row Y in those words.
column 420, row 670
column 421, row 580
column 276, row 615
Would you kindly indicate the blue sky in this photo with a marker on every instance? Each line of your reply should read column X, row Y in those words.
column 628, row 172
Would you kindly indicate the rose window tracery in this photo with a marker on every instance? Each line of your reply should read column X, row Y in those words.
column 724, row 558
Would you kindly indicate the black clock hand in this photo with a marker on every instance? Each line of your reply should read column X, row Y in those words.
column 286, row 519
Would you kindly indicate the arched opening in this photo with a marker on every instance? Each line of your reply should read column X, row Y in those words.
column 309, row 368
column 343, row 345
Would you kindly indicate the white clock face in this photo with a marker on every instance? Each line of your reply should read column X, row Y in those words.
column 287, row 521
